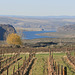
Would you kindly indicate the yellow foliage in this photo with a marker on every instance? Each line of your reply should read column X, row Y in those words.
column 14, row 39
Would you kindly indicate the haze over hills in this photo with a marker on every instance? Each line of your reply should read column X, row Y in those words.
column 38, row 16
column 42, row 22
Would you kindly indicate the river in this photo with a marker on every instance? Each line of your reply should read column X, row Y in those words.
column 32, row 34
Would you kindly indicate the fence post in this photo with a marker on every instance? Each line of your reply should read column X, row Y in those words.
column 13, row 70
column 65, row 70
column 7, row 70
column 61, row 69
column 52, row 55
column 53, row 62
column 55, row 66
column 6, row 61
column 18, row 69
column 0, row 62
column 44, row 70
column 23, row 66
column 49, row 52
column 25, row 58
column 9, row 59
column 34, row 54
column 58, row 69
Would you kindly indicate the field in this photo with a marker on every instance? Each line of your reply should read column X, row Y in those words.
column 40, row 65
column 16, row 64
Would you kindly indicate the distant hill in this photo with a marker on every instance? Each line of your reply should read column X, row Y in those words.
column 6, row 29
column 67, row 28
column 67, row 31
column 42, row 22
column 46, row 17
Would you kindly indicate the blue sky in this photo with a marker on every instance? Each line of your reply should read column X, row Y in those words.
column 37, row 7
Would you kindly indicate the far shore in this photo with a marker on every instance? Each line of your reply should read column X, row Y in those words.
column 59, row 34
column 33, row 41
column 28, row 29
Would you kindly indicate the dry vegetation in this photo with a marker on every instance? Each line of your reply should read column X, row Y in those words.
column 40, row 66
column 14, row 39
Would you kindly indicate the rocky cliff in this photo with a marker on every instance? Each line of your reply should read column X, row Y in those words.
column 6, row 29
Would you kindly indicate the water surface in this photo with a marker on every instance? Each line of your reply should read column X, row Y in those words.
column 32, row 34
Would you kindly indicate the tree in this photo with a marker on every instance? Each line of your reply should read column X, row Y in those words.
column 14, row 39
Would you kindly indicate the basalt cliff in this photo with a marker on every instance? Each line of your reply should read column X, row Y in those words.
column 6, row 29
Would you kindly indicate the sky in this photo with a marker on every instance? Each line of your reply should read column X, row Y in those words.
column 37, row 7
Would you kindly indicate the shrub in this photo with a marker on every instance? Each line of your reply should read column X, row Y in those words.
column 14, row 39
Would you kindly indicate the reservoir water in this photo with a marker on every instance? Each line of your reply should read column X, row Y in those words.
column 32, row 34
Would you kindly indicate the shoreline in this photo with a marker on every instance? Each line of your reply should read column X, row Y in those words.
column 59, row 34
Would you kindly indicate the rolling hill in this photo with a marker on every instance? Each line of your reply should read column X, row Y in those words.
column 46, row 23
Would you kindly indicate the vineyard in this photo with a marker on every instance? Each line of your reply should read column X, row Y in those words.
column 20, row 65
column 27, row 49
column 54, row 68
column 48, row 62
